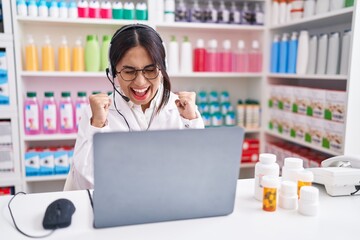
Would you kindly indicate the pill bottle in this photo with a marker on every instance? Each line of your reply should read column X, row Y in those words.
column 266, row 166
column 309, row 201
column 290, row 169
column 305, row 178
column 270, row 189
column 288, row 198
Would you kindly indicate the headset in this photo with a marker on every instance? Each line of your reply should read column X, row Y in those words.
column 109, row 69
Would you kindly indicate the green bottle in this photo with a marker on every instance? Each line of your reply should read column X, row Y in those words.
column 117, row 10
column 129, row 11
column 349, row 3
column 92, row 54
column 105, row 52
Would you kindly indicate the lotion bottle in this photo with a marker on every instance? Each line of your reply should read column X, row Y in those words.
column 302, row 53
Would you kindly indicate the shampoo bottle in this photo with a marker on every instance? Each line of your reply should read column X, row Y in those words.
column 43, row 9
column 313, row 48
column 141, row 11
column 195, row 12
column 275, row 54
column 345, row 48
column 66, row 113
column 94, row 9
column 211, row 14
column 54, row 9
column 31, row 114
column 255, row 57
column 293, row 52
column 186, row 56
column 241, row 58
column 173, row 55
column 284, row 53
column 92, row 54
column 322, row 54
column 21, row 8
column 63, row 9
column 117, row 10
column 302, row 53
column 78, row 60
column 181, row 13
column 73, row 12
column 332, row 64
column 105, row 9
column 32, row 8
column 212, row 59
column 235, row 16
column 49, row 114
column 64, row 55
column 83, row 9
column 169, row 10
column 104, row 51
column 275, row 12
column 200, row 56
column 47, row 56
column 223, row 14
column 80, row 104
column 31, row 55
column 226, row 57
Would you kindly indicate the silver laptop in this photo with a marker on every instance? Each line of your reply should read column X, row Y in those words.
column 155, row 176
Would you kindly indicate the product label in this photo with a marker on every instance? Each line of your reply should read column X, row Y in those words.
column 32, row 117
column 66, row 116
column 50, row 117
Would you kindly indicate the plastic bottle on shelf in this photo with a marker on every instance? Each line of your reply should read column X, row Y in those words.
column 43, row 9
column 226, row 57
column 63, row 9
column 275, row 54
column 309, row 8
column 246, row 15
column 49, row 114
column 31, row 114
column 47, row 55
column 212, row 57
column 223, row 14
column 31, row 55
column 313, row 47
column 129, row 11
column 80, row 104
column 169, row 11
column 117, row 10
column 73, row 12
column 235, row 15
column 255, row 57
column 105, row 9
column 32, row 8
column 94, row 9
column 66, row 114
column 92, row 54
column 186, row 56
column 275, row 12
column 292, row 166
column 195, row 12
column 284, row 53
column 332, row 65
column 241, row 58
column 78, row 57
column 181, row 12
column 293, row 52
column 64, row 55
column 240, row 113
column 173, row 55
column 200, row 56
column 159, row 11
column 266, row 166
column 336, row 4
column 303, row 53
column 211, row 14
column 104, row 52
column 83, row 8
column 54, row 9
column 322, row 54
column 345, row 48
column 322, row 6
column 21, row 8
column 288, row 10
column 141, row 11
column 282, row 11
column 259, row 14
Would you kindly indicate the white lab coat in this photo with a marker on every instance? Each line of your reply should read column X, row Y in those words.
column 81, row 175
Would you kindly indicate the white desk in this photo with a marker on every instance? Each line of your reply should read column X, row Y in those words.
column 338, row 219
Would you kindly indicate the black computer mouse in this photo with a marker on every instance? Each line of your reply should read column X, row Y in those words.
column 58, row 214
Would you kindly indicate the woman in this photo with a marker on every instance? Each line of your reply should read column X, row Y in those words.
column 142, row 101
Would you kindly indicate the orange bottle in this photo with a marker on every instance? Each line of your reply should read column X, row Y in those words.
column 64, row 56
column 78, row 56
column 47, row 56
column 31, row 55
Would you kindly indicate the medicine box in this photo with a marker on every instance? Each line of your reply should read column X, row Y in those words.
column 335, row 105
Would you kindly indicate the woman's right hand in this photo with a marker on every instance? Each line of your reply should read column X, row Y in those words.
column 99, row 104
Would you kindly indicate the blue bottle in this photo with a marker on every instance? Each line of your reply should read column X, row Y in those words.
column 275, row 51
column 284, row 53
column 293, row 48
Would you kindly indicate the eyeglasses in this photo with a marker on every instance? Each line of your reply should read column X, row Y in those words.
column 129, row 73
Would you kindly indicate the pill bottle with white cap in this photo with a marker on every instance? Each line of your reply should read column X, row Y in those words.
column 266, row 166
column 309, row 201
column 288, row 198
column 270, row 192
column 305, row 178
column 290, row 169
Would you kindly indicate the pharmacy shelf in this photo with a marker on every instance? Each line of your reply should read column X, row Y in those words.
column 50, row 137
column 208, row 26
column 5, row 37
column 7, row 112
column 76, row 21
column 59, row 177
column 215, row 75
column 320, row 149
column 62, row 74
column 323, row 20
column 308, row 76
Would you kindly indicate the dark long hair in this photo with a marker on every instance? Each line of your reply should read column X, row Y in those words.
column 133, row 35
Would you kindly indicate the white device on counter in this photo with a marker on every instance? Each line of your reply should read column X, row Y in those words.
column 340, row 175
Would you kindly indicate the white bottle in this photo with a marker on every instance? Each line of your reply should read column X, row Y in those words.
column 309, row 8
column 32, row 9
column 345, row 48
column 332, row 64
column 288, row 11
column 292, row 166
column 54, row 10
column 63, row 9
column 43, row 9
column 173, row 56
column 223, row 13
column 336, row 4
column 259, row 14
column 275, row 12
column 160, row 11
column 186, row 56
column 322, row 54
column 73, row 12
column 288, row 198
column 266, row 166
column 303, row 53
column 309, row 201
column 282, row 12
column 21, row 8
column 169, row 10
column 322, row 6
column 313, row 45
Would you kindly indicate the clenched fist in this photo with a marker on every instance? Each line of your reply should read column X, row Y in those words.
column 186, row 105
column 99, row 104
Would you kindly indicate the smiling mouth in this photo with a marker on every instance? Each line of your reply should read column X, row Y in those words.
column 140, row 92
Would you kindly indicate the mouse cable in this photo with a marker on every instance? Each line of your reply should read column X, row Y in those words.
column 16, row 226
column 357, row 187
column 90, row 198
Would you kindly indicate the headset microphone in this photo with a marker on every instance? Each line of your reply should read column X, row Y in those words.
column 113, row 84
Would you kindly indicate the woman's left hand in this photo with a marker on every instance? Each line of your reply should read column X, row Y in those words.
column 186, row 105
